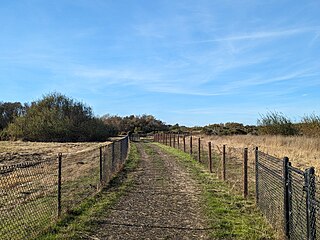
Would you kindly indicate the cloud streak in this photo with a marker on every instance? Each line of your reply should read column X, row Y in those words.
column 260, row 35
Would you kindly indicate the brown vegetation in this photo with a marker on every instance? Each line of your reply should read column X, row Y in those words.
column 302, row 151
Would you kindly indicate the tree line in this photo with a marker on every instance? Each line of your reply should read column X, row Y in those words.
column 56, row 117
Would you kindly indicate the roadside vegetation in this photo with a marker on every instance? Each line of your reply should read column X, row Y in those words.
column 229, row 215
column 58, row 118
column 79, row 223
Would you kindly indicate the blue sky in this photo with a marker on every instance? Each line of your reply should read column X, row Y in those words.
column 183, row 61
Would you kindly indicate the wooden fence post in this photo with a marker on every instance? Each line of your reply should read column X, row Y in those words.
column 245, row 173
column 170, row 137
column 224, row 163
column 174, row 140
column 101, row 166
column 199, row 150
column 178, row 141
column 210, row 157
column 184, row 143
column 59, row 183
column 190, row 145
column 256, row 156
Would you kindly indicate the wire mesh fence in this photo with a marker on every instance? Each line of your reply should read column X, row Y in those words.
column 297, row 208
column 27, row 198
column 270, row 189
column 34, row 194
column 287, row 196
column 80, row 178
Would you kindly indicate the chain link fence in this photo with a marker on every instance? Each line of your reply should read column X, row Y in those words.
column 34, row 194
column 270, row 189
column 27, row 198
column 287, row 196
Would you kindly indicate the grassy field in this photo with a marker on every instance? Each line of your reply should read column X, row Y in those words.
column 28, row 199
column 14, row 152
column 303, row 152
column 81, row 222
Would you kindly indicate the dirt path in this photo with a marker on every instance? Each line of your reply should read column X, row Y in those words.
column 164, row 203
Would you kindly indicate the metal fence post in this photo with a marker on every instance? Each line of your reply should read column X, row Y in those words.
column 184, row 143
column 224, row 163
column 256, row 156
column 210, row 157
column 245, row 173
column 59, row 183
column 199, row 150
column 310, row 203
column 286, row 200
column 190, row 145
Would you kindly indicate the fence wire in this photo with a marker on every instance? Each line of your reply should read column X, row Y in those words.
column 287, row 196
column 27, row 198
column 29, row 191
column 297, row 207
column 80, row 178
column 271, row 189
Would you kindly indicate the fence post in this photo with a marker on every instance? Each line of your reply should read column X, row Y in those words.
column 59, row 183
column 245, row 173
column 256, row 156
column 121, row 150
column 210, row 157
column 199, row 150
column 310, row 203
column 166, row 138
column 178, row 141
column 174, row 140
column 191, row 145
column 170, row 137
column 101, row 166
column 286, row 199
column 224, row 163
column 113, row 157
column 184, row 143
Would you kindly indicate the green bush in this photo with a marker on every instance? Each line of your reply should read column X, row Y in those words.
column 275, row 123
column 58, row 118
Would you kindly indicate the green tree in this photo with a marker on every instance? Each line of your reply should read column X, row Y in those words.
column 58, row 118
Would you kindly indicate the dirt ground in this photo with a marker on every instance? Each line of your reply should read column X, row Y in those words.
column 164, row 203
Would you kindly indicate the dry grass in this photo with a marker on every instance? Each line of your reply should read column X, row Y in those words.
column 303, row 152
column 34, row 188
column 14, row 152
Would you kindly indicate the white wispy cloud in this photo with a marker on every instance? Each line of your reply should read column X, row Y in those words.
column 255, row 35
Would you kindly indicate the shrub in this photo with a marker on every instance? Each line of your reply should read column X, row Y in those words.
column 58, row 118
column 310, row 125
column 275, row 123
